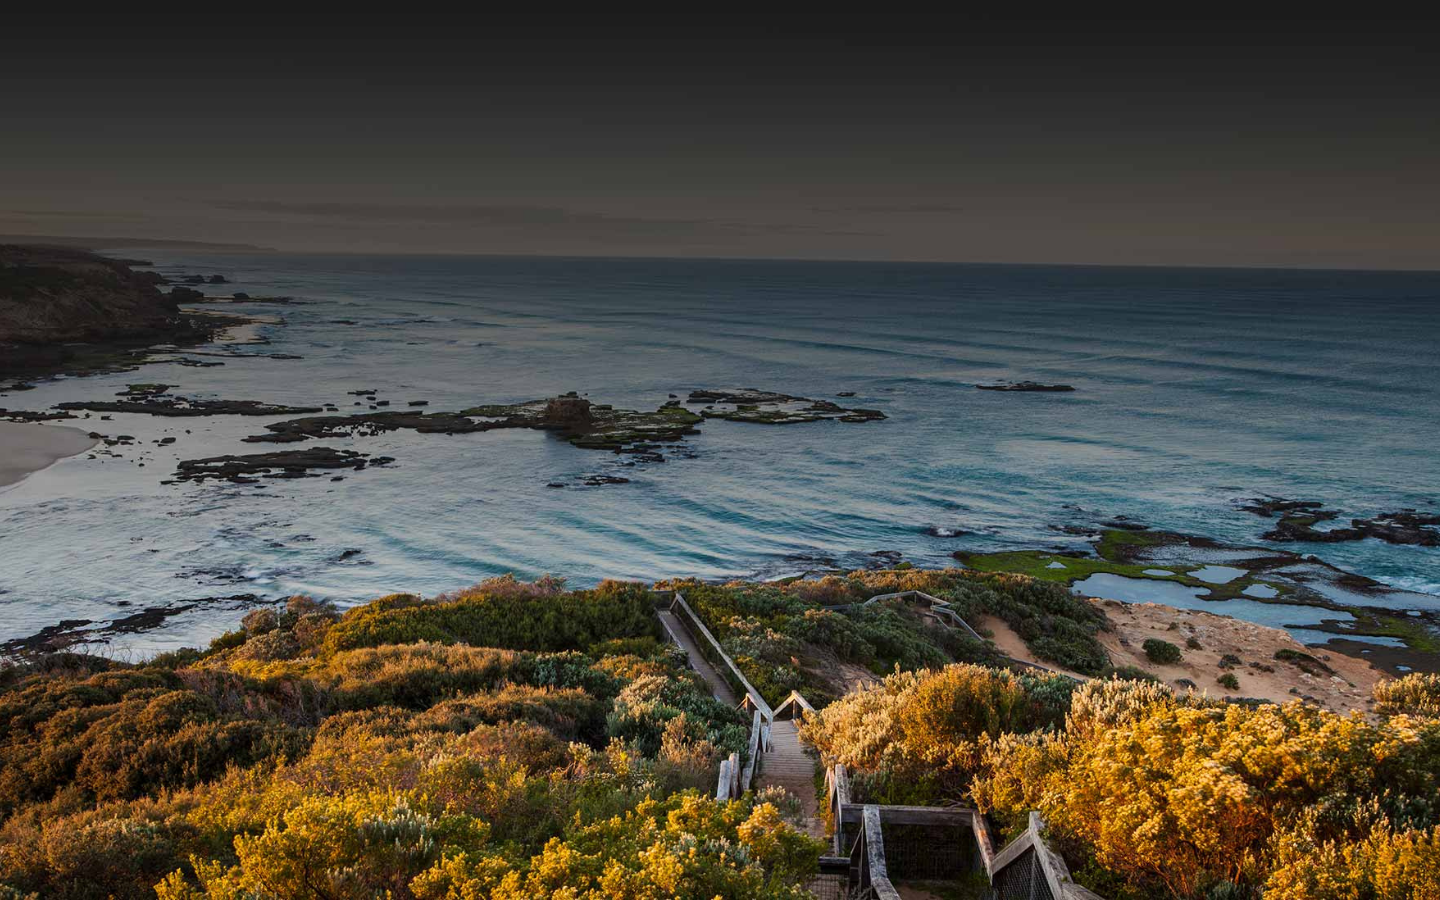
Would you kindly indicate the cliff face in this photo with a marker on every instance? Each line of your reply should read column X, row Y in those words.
column 51, row 295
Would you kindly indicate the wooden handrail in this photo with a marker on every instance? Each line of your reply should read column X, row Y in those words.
column 756, row 747
column 796, row 701
column 1051, row 865
column 752, row 696
column 874, row 874
column 844, row 812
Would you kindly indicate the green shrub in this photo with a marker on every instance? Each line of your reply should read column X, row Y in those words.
column 1229, row 681
column 1161, row 652
column 512, row 620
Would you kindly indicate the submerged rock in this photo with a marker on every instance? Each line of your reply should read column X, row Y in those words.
column 25, row 415
column 1025, row 387
column 1269, row 506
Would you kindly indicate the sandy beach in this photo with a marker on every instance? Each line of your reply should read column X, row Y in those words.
column 26, row 448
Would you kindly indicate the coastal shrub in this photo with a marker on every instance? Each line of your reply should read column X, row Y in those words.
column 403, row 770
column 644, row 710
column 1056, row 625
column 1416, row 694
column 117, row 733
column 1180, row 796
column 569, row 713
column 1229, row 681
column 1103, row 704
column 1161, row 652
column 1385, row 864
column 511, row 617
column 932, row 725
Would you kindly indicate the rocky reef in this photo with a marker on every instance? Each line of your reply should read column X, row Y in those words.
column 240, row 469
column 155, row 400
column 592, row 426
column 1298, row 518
column 772, row 408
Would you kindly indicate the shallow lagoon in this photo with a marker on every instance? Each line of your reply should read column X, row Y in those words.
column 1276, row 615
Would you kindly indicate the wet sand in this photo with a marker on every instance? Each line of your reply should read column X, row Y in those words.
column 27, row 447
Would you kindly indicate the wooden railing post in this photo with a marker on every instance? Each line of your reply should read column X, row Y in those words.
column 756, row 747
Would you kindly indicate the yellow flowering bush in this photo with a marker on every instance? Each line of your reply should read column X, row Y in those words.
column 314, row 756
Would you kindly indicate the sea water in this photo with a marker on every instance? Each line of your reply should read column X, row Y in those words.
column 1194, row 388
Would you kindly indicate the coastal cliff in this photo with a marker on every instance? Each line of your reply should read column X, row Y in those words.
column 62, row 308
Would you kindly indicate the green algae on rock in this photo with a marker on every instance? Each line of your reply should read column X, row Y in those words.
column 773, row 408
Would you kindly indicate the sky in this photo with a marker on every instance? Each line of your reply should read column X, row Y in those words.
column 953, row 138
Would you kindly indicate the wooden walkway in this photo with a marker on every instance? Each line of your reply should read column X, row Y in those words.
column 786, row 764
column 718, row 685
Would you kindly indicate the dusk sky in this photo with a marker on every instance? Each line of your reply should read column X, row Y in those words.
column 820, row 137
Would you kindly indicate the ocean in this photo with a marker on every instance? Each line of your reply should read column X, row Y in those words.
column 1194, row 389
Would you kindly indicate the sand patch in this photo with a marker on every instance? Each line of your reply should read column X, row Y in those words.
column 1349, row 688
column 27, row 447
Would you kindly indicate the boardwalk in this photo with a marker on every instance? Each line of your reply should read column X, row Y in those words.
column 787, row 765
column 718, row 685
column 784, row 763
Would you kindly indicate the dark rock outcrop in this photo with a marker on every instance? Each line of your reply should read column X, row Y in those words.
column 64, row 310
column 1298, row 519
column 1270, row 506
column 239, row 469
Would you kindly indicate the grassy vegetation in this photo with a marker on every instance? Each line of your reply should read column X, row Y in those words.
column 512, row 740
column 1417, row 635
column 518, row 740
column 1113, row 552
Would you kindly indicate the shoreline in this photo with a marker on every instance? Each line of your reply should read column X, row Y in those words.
column 27, row 448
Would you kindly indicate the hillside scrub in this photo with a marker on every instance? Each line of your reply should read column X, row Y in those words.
column 919, row 737
column 503, row 613
column 1154, row 794
column 783, row 639
column 322, row 756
